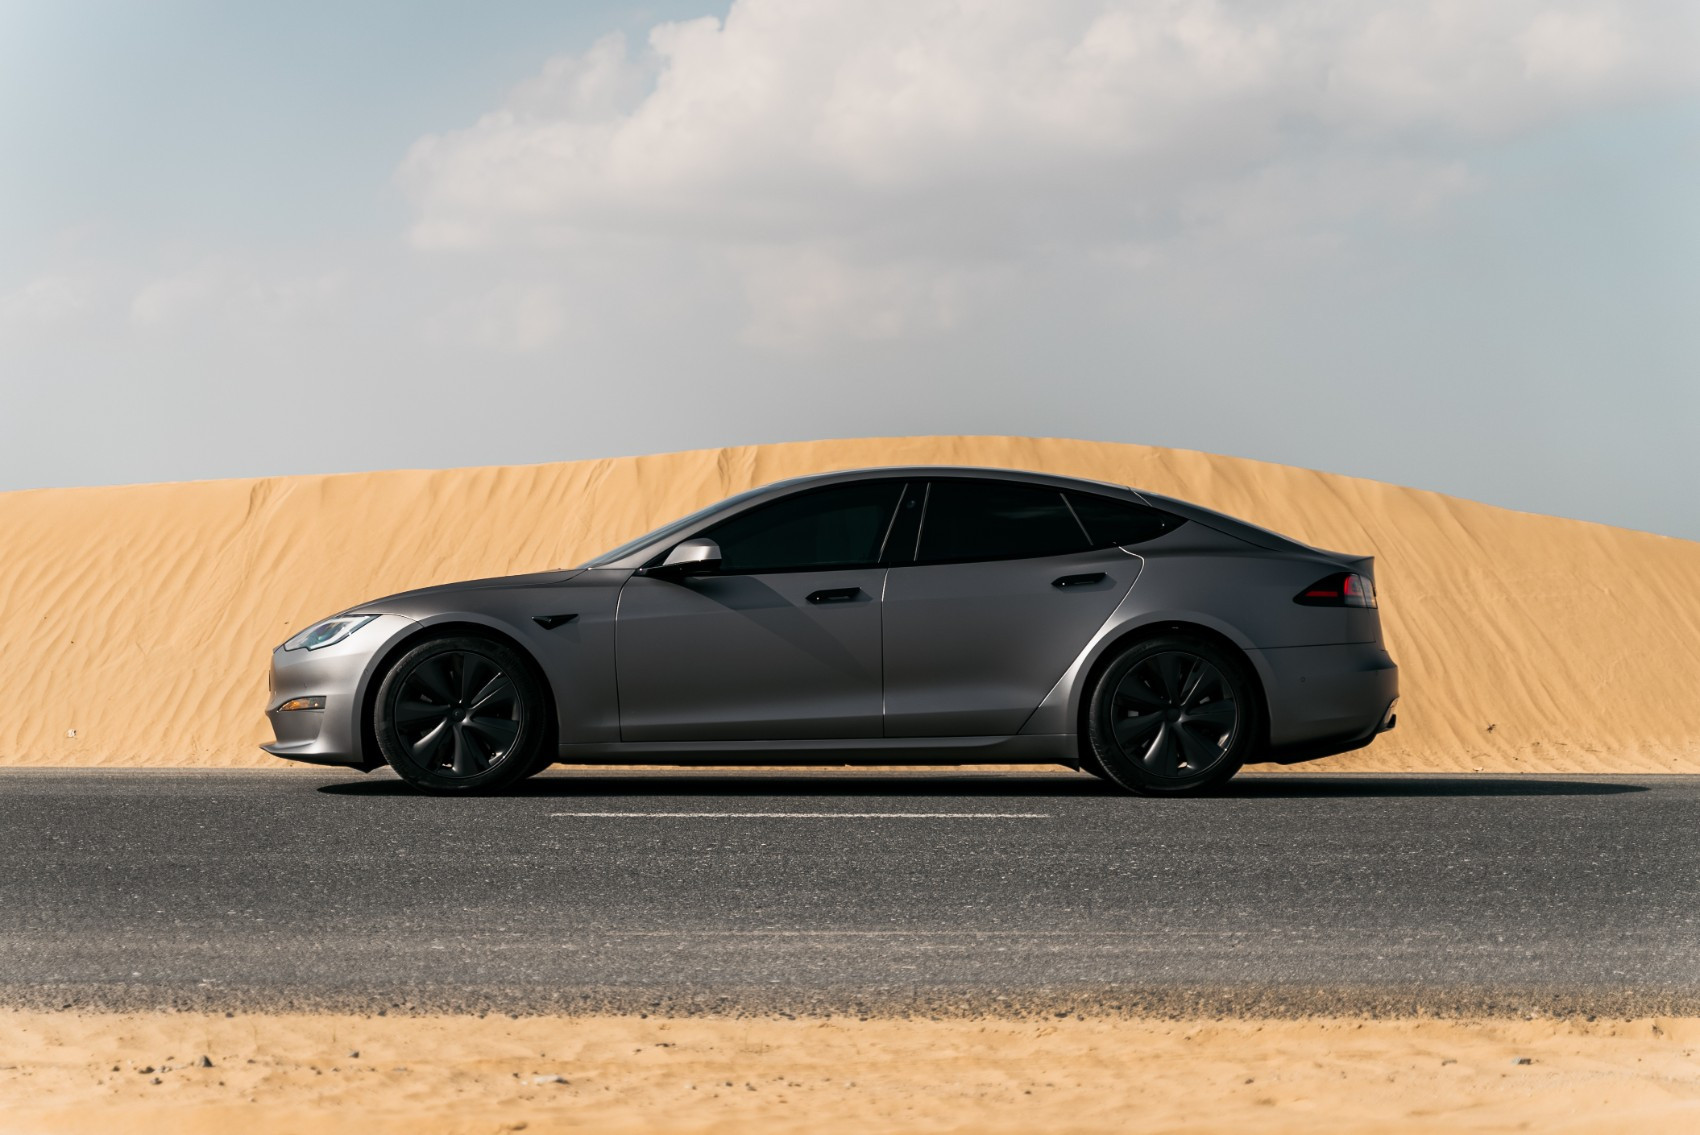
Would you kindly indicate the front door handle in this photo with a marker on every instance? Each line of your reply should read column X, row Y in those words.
column 835, row 595
column 1079, row 580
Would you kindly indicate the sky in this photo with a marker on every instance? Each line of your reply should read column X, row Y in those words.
column 1445, row 244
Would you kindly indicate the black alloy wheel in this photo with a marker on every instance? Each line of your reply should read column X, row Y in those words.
column 1172, row 715
column 461, row 715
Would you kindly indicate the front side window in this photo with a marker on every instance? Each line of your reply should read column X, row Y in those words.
column 842, row 526
column 668, row 530
column 996, row 520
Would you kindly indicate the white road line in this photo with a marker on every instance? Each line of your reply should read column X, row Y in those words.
column 804, row 815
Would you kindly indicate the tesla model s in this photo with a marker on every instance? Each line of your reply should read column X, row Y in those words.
column 878, row 616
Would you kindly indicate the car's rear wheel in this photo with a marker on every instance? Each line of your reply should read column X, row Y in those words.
column 1172, row 715
column 460, row 715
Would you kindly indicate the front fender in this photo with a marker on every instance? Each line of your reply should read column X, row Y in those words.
column 573, row 649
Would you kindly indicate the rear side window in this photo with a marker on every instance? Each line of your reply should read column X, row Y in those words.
column 996, row 520
column 838, row 527
column 1116, row 522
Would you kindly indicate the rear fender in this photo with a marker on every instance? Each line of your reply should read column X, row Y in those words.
column 1060, row 711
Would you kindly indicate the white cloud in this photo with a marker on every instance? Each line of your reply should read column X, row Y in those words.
column 800, row 294
column 47, row 302
column 219, row 293
column 510, row 317
column 855, row 161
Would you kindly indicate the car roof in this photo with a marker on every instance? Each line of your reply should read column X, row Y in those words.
column 638, row 551
column 635, row 554
column 1209, row 517
column 971, row 472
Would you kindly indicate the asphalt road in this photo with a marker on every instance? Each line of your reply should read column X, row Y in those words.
column 847, row 892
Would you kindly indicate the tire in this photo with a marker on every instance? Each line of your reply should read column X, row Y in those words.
column 1172, row 715
column 545, row 760
column 1089, row 763
column 461, row 715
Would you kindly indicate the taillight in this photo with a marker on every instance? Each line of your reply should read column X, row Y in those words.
column 1343, row 589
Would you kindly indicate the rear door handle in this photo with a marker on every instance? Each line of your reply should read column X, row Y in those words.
column 1079, row 580
column 835, row 595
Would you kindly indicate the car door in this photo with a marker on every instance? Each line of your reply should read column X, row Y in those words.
column 1005, row 590
column 781, row 643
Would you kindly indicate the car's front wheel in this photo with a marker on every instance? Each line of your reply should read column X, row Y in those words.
column 460, row 715
column 1172, row 715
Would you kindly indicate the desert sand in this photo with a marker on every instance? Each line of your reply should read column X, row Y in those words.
column 135, row 621
column 70, row 1074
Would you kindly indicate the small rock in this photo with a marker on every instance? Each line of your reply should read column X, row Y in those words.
column 156, row 1080
column 549, row 1080
column 145, row 1069
column 354, row 1054
column 1523, row 1060
column 204, row 1062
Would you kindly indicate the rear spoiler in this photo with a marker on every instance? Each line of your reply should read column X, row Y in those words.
column 1363, row 565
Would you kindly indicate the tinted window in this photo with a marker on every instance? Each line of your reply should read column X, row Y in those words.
column 996, row 520
column 837, row 527
column 900, row 545
column 1109, row 521
column 673, row 528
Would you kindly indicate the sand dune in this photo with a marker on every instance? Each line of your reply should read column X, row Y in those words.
column 135, row 621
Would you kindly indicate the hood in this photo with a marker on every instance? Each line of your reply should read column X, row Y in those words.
column 401, row 601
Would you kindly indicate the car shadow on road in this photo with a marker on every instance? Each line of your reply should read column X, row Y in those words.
column 833, row 782
column 1427, row 784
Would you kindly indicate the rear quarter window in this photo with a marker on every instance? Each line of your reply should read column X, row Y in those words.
column 1119, row 523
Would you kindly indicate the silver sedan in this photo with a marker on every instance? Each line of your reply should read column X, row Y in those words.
column 880, row 616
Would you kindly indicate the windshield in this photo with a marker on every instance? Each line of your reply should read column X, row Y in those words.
column 677, row 527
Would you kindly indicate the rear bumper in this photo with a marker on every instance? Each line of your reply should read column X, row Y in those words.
column 1327, row 699
column 1330, row 747
column 333, row 735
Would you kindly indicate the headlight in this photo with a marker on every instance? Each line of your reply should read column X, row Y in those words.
column 328, row 633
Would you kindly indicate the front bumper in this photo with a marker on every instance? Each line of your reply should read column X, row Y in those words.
column 339, row 674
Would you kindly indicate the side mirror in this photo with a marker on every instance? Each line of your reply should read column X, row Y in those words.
column 690, row 557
